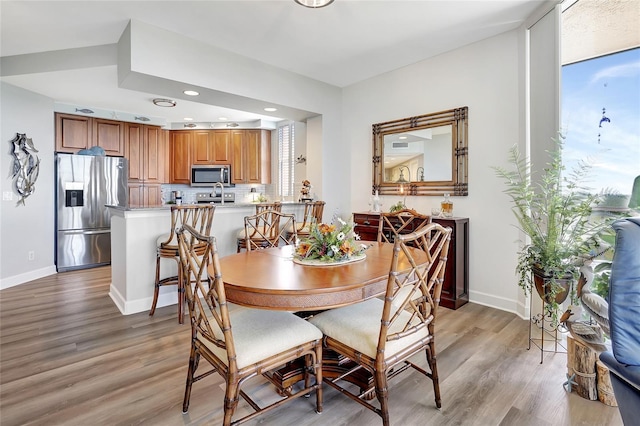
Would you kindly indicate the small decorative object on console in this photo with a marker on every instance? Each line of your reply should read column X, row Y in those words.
column 304, row 191
column 330, row 243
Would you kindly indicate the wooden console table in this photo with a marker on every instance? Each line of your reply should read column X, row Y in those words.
column 455, row 289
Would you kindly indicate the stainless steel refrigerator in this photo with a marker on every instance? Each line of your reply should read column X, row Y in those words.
column 84, row 185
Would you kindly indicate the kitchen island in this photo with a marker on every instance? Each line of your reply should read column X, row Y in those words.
column 134, row 234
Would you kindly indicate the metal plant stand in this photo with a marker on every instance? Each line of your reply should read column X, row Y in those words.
column 545, row 323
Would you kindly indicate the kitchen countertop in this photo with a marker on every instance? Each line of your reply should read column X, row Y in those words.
column 218, row 205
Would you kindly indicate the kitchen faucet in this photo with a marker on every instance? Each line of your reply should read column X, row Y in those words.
column 221, row 191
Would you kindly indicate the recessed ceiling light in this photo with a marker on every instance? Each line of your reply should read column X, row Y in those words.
column 161, row 102
column 314, row 4
column 402, row 137
column 270, row 109
column 188, row 119
column 191, row 93
column 222, row 118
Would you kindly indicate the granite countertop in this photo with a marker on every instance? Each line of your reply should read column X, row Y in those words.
column 218, row 205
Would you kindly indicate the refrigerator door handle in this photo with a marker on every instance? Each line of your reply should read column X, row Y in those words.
column 86, row 232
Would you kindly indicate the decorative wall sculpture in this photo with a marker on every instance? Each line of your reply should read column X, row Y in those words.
column 26, row 166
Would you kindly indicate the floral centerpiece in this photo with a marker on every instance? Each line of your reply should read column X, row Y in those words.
column 330, row 243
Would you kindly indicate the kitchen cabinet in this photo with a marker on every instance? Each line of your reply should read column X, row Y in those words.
column 211, row 147
column 251, row 156
column 76, row 132
column 180, row 153
column 455, row 289
column 147, row 150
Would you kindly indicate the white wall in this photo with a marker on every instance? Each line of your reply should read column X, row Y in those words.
column 29, row 227
column 485, row 76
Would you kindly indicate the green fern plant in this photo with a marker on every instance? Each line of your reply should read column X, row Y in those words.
column 555, row 214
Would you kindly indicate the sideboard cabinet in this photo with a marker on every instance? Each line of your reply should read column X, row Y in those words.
column 455, row 289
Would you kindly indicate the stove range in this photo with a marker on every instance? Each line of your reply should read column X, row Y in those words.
column 208, row 198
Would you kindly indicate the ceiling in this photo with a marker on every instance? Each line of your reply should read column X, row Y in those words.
column 341, row 44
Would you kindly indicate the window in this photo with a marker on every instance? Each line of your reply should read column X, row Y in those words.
column 286, row 150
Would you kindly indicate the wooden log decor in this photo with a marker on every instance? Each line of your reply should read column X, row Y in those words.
column 605, row 391
column 581, row 366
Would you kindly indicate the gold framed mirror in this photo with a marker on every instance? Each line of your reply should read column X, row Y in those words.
column 422, row 155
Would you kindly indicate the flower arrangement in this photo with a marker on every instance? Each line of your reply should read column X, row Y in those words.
column 330, row 243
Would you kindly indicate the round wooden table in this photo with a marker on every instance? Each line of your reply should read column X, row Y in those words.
column 269, row 279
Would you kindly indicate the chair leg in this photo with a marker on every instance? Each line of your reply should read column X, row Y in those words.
column 194, row 357
column 231, row 399
column 318, row 371
column 181, row 294
column 380, row 378
column 156, row 290
column 431, row 359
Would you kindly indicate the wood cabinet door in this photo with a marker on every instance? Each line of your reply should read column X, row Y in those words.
column 154, row 158
column 135, row 194
column 238, row 155
column 180, row 149
column 133, row 136
column 109, row 135
column 202, row 147
column 152, row 195
column 254, row 156
column 73, row 132
column 221, row 146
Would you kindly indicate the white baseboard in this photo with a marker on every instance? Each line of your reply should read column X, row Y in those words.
column 27, row 276
column 501, row 303
column 141, row 305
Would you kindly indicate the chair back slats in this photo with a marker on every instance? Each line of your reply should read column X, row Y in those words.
column 398, row 223
column 199, row 217
column 313, row 212
column 206, row 299
column 269, row 229
column 412, row 295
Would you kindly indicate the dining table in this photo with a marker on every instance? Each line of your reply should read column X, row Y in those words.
column 271, row 279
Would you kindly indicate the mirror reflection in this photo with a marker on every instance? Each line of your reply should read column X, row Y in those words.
column 421, row 155
column 426, row 153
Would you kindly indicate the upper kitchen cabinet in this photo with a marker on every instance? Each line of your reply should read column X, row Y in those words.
column 76, row 132
column 180, row 153
column 211, row 147
column 251, row 156
column 147, row 149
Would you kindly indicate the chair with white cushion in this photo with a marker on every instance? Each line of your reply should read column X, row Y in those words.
column 313, row 211
column 243, row 342
column 268, row 229
column 260, row 207
column 200, row 218
column 382, row 335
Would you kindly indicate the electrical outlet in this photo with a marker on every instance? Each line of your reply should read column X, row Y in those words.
column 31, row 255
column 7, row 196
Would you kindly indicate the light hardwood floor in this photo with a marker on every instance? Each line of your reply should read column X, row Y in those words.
column 68, row 357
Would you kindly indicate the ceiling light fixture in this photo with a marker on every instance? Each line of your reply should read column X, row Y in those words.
column 222, row 118
column 191, row 93
column 314, row 4
column 188, row 119
column 271, row 109
column 162, row 102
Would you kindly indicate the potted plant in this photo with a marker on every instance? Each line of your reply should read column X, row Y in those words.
column 555, row 213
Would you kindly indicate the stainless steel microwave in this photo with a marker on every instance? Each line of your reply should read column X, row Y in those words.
column 209, row 175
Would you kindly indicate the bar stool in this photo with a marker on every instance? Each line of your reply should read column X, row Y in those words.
column 199, row 217
column 313, row 211
column 260, row 207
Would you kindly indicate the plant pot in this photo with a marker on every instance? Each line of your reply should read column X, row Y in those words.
column 543, row 286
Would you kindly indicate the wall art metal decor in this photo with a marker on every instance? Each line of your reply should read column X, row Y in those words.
column 26, row 166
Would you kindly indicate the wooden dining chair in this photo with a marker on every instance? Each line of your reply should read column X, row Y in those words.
column 240, row 343
column 268, row 229
column 199, row 217
column 313, row 212
column 260, row 207
column 380, row 335
column 401, row 222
